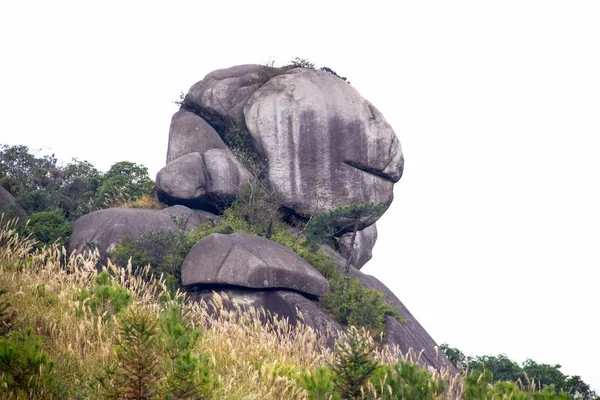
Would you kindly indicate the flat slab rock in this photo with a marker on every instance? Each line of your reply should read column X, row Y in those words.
column 108, row 227
column 251, row 262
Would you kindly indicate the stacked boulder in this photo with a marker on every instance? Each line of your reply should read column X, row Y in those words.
column 321, row 146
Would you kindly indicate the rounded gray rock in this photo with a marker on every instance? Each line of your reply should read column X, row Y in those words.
column 325, row 145
column 362, row 251
column 223, row 94
column 9, row 206
column 288, row 305
column 251, row 262
column 106, row 228
column 209, row 181
column 189, row 133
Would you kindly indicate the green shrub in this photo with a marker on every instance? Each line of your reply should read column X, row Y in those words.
column 106, row 297
column 48, row 227
column 358, row 305
column 353, row 364
column 187, row 374
column 136, row 373
column 406, row 381
column 155, row 359
column 164, row 249
column 256, row 212
column 342, row 219
column 128, row 248
column 479, row 386
column 25, row 369
column 318, row 384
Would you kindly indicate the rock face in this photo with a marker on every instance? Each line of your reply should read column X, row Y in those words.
column 223, row 94
column 408, row 335
column 285, row 304
column 209, row 181
column 325, row 145
column 363, row 246
column 189, row 133
column 251, row 262
column 321, row 146
column 9, row 205
column 108, row 227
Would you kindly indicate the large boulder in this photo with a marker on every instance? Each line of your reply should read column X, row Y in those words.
column 325, row 145
column 222, row 95
column 190, row 133
column 362, row 251
column 409, row 335
column 209, row 181
column 251, row 262
column 9, row 206
column 288, row 305
column 106, row 228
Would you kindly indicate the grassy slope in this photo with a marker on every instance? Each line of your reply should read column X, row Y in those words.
column 249, row 359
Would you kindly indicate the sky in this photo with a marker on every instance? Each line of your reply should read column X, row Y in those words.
column 492, row 241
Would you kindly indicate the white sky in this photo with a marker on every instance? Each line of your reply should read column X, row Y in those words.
column 493, row 239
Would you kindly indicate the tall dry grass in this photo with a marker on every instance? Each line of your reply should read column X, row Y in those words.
column 251, row 357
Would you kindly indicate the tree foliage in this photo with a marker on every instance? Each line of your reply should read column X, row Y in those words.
column 25, row 368
column 125, row 181
column 41, row 183
column 48, row 227
column 500, row 368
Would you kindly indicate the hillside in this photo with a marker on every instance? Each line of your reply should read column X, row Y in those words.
column 72, row 328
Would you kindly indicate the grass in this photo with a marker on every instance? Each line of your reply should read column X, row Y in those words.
column 249, row 357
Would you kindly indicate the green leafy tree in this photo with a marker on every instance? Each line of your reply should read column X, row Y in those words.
column 125, row 181
column 455, row 356
column 79, row 183
column 41, row 184
column 497, row 369
column 49, row 227
column 501, row 367
column 34, row 181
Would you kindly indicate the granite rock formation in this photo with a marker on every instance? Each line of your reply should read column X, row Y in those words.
column 325, row 146
column 106, row 228
column 319, row 146
column 251, row 262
